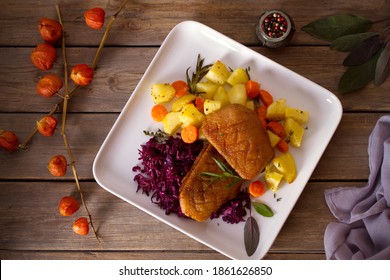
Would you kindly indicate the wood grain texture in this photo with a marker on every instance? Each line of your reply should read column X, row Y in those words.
column 121, row 69
column 30, row 226
column 147, row 22
column 143, row 255
column 30, row 221
column 345, row 158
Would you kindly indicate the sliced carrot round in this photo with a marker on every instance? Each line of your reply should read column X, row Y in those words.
column 199, row 103
column 266, row 97
column 189, row 134
column 252, row 89
column 159, row 112
column 282, row 146
column 180, row 87
column 277, row 128
column 256, row 188
column 261, row 114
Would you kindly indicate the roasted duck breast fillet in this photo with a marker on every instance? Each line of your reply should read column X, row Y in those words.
column 238, row 135
column 198, row 198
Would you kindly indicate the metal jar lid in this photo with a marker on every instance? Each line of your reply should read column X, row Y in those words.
column 275, row 29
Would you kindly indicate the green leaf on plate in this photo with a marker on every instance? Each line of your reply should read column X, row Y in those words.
column 333, row 27
column 364, row 51
column 383, row 65
column 262, row 209
column 251, row 236
column 348, row 42
column 357, row 77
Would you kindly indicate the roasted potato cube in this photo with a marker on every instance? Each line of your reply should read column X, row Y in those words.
column 189, row 115
column 207, row 89
column 162, row 93
column 237, row 94
column 171, row 122
column 273, row 138
column 211, row 106
column 238, row 76
column 178, row 104
column 285, row 164
column 294, row 132
column 250, row 104
column 218, row 73
column 221, row 95
column 300, row 116
column 276, row 110
column 273, row 180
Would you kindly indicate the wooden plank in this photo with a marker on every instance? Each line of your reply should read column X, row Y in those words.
column 118, row 73
column 120, row 70
column 85, row 133
column 148, row 22
column 345, row 158
column 143, row 255
column 30, row 221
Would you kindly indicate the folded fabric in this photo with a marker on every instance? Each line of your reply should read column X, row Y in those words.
column 363, row 230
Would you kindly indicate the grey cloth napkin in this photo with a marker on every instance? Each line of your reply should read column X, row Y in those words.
column 363, row 230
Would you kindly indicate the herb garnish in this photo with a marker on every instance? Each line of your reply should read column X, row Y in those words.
column 262, row 209
column 159, row 135
column 225, row 175
column 247, row 70
column 369, row 56
column 251, row 228
column 198, row 75
column 251, row 236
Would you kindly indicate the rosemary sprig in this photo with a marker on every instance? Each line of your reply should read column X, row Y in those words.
column 247, row 70
column 198, row 75
column 159, row 135
column 226, row 174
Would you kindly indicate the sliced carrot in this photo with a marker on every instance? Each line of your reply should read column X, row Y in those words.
column 158, row 112
column 277, row 128
column 266, row 97
column 199, row 103
column 261, row 114
column 282, row 146
column 256, row 188
column 189, row 134
column 252, row 89
column 181, row 88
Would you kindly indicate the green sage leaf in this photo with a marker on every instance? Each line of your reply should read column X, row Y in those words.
column 349, row 42
column 364, row 51
column 357, row 77
column 262, row 209
column 333, row 27
column 382, row 69
column 251, row 236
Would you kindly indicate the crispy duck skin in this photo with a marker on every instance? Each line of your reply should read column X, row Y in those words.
column 198, row 198
column 238, row 135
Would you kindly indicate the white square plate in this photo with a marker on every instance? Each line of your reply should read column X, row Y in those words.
column 119, row 152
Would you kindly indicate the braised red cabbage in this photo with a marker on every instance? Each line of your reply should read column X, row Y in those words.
column 163, row 166
column 234, row 211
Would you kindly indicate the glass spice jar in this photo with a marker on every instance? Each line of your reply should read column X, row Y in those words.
column 275, row 29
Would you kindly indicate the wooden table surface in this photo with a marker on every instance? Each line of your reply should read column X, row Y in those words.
column 30, row 226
